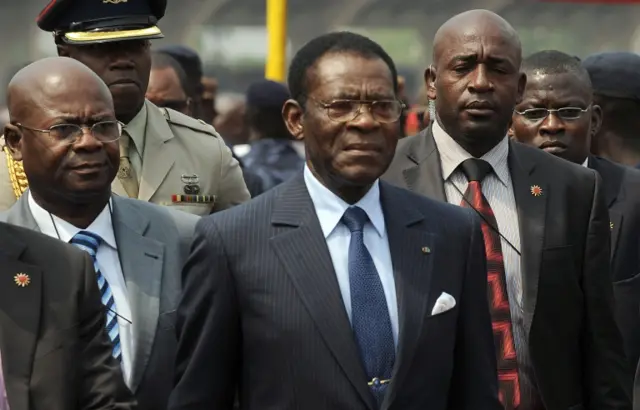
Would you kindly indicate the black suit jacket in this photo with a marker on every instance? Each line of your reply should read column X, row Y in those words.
column 575, row 346
column 56, row 354
column 262, row 311
column 622, row 192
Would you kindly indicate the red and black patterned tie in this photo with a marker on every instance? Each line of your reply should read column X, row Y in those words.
column 476, row 170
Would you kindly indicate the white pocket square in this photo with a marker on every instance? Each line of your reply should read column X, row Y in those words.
column 445, row 302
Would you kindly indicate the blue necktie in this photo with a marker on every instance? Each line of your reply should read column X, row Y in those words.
column 369, row 312
column 90, row 242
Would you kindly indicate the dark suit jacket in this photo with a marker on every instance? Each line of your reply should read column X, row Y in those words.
column 56, row 354
column 575, row 346
column 622, row 191
column 153, row 245
column 262, row 311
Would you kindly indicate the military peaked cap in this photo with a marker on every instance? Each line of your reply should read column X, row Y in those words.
column 101, row 21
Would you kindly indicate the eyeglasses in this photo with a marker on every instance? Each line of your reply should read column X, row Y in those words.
column 384, row 111
column 565, row 113
column 103, row 131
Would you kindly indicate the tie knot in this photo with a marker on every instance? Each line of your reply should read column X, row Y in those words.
column 475, row 169
column 87, row 241
column 354, row 218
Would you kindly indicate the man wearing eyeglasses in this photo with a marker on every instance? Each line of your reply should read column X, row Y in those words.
column 545, row 223
column 159, row 148
column 64, row 130
column 335, row 290
column 558, row 114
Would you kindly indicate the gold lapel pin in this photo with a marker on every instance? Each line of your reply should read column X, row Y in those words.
column 611, row 225
column 426, row 250
column 22, row 279
column 536, row 190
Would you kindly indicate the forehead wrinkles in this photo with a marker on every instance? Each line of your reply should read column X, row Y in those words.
column 351, row 73
column 565, row 86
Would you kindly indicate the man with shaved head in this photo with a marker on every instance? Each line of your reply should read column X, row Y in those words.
column 55, row 352
column 64, row 130
column 545, row 224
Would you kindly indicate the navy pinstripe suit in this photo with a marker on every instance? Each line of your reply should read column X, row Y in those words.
column 262, row 314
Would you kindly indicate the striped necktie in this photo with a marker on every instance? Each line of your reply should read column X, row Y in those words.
column 89, row 242
column 509, row 380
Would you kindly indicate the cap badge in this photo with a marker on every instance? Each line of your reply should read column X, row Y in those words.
column 114, row 1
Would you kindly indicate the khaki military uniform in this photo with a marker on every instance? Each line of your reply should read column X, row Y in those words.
column 179, row 162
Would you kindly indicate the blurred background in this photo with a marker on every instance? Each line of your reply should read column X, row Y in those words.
column 231, row 34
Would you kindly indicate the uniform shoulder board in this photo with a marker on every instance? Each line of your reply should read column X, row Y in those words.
column 177, row 118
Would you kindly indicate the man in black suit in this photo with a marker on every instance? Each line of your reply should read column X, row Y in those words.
column 550, row 215
column 558, row 115
column 334, row 290
column 54, row 350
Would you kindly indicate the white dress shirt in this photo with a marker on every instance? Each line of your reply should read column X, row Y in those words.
column 4, row 402
column 108, row 263
column 330, row 208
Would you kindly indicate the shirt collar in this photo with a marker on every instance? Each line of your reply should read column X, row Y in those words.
column 330, row 208
column 586, row 163
column 64, row 231
column 452, row 155
column 137, row 128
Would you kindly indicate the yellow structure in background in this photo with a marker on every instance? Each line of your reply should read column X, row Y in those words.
column 277, row 36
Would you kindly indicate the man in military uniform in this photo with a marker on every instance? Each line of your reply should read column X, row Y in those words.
column 166, row 157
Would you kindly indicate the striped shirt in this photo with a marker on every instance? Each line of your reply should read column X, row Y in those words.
column 498, row 189
column 4, row 405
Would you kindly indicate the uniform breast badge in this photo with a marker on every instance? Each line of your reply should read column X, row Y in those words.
column 191, row 190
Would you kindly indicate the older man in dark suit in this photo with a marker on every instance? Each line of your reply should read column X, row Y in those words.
column 547, row 220
column 64, row 131
column 54, row 350
column 558, row 115
column 335, row 290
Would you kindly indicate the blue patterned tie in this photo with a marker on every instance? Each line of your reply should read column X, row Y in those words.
column 369, row 312
column 90, row 242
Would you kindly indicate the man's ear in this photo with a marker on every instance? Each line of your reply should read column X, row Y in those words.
column 293, row 115
column 13, row 141
column 430, row 82
column 596, row 119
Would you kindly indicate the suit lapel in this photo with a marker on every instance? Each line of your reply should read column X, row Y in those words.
column 303, row 251
column 612, row 177
column 423, row 175
column 141, row 260
column 531, row 195
column 157, row 159
column 20, row 214
column 19, row 320
column 412, row 272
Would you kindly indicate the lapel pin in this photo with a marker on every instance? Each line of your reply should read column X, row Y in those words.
column 426, row 250
column 22, row 279
column 611, row 225
column 536, row 190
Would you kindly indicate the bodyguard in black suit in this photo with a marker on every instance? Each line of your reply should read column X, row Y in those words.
column 551, row 216
column 334, row 290
column 558, row 115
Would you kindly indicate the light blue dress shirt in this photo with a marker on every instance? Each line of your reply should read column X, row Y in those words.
column 330, row 208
